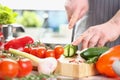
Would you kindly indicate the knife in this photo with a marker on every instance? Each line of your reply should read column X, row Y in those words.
column 73, row 33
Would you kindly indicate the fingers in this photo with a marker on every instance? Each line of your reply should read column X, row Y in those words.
column 102, row 42
column 68, row 9
column 69, row 16
column 86, row 40
column 75, row 17
column 90, row 40
column 78, row 40
column 93, row 41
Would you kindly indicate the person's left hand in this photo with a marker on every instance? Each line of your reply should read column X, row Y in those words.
column 98, row 35
column 75, row 9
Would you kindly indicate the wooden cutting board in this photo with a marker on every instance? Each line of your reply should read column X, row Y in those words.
column 77, row 70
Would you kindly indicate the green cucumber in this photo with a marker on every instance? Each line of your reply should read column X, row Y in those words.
column 93, row 52
column 69, row 50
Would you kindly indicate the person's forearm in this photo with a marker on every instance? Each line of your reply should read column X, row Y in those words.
column 116, row 18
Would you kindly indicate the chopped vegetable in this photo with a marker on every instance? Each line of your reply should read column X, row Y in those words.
column 69, row 50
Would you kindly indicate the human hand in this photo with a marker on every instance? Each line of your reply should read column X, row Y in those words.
column 75, row 9
column 98, row 35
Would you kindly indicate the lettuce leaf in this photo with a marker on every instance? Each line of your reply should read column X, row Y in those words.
column 7, row 15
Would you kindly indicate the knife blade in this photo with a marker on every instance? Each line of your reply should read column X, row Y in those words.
column 73, row 33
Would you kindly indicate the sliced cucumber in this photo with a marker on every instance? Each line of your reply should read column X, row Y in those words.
column 69, row 50
column 66, row 50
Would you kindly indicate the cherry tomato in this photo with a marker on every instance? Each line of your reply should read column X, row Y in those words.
column 8, row 68
column 59, row 50
column 50, row 53
column 2, row 56
column 27, row 49
column 33, row 51
column 25, row 67
column 41, row 52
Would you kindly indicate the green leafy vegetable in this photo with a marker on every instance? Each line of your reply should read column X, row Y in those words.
column 39, row 77
column 30, row 19
column 7, row 15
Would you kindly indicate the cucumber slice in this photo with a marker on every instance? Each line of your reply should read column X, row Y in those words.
column 66, row 50
column 71, row 51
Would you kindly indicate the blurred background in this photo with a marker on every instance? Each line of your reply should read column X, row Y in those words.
column 44, row 20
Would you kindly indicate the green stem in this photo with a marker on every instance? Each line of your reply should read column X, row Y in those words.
column 24, row 54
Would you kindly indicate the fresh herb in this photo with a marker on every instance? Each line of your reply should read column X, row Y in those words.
column 39, row 77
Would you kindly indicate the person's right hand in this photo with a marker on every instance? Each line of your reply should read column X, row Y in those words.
column 75, row 9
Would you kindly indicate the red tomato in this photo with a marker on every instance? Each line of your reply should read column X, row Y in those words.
column 8, row 68
column 33, row 51
column 27, row 49
column 25, row 67
column 2, row 56
column 41, row 52
column 0, row 75
column 59, row 50
column 50, row 53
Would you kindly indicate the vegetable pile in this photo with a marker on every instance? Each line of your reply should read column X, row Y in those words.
column 45, row 66
column 24, row 52
column 102, row 57
column 46, row 57
column 42, row 51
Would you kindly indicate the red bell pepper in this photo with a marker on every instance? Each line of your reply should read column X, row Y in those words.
column 105, row 61
column 1, row 39
column 18, row 43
